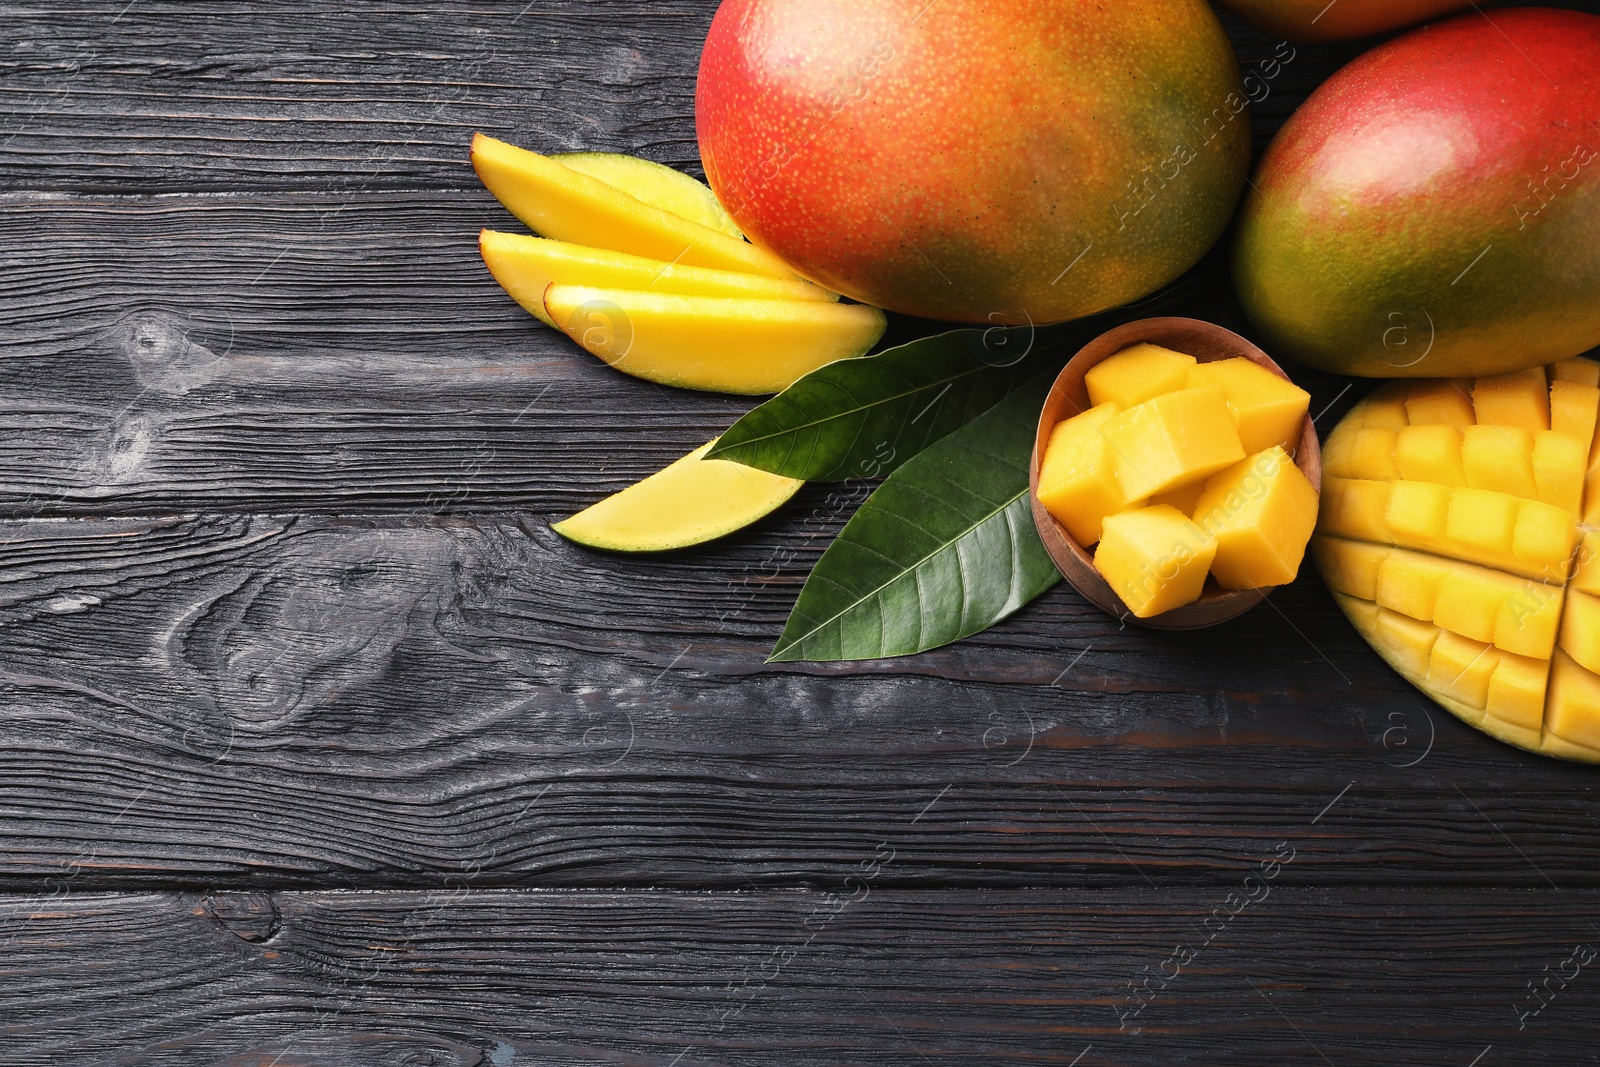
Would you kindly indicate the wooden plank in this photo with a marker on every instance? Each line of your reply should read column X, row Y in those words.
column 458, row 979
column 302, row 701
column 172, row 95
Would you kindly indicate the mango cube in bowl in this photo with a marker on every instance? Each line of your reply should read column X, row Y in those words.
column 1155, row 558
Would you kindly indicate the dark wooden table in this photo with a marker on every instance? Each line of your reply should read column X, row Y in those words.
column 320, row 748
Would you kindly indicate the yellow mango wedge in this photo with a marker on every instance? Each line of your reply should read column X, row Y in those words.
column 719, row 344
column 655, row 184
column 561, row 203
column 526, row 266
column 693, row 501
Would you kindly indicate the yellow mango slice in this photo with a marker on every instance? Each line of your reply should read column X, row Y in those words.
column 1577, row 369
column 1407, row 643
column 1440, row 402
column 1428, row 453
column 1520, row 399
column 1270, row 410
column 721, row 344
column 1558, row 462
column 1499, row 458
column 526, row 266
column 1261, row 512
column 688, row 503
column 1077, row 475
column 1137, row 374
column 1155, row 559
column 1586, row 577
column 1355, row 508
column 1514, row 705
column 1460, row 668
column 1173, row 439
column 1580, row 629
column 563, row 204
column 1409, row 582
column 1574, row 409
column 655, row 184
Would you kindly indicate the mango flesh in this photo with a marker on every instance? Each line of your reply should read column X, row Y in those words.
column 655, row 184
column 981, row 160
column 1482, row 585
column 692, row 501
column 563, row 204
column 719, row 344
column 1165, row 487
column 526, row 266
column 1319, row 22
column 1433, row 209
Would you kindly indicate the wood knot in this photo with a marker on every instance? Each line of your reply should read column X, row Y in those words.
column 251, row 917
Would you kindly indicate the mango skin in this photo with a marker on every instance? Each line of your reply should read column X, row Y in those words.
column 976, row 160
column 1433, row 210
column 1318, row 22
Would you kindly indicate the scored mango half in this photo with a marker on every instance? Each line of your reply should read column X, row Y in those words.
column 1460, row 533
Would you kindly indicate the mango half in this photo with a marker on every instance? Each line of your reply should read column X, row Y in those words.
column 1458, row 533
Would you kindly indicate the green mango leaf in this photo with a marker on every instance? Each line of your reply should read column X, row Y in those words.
column 865, row 417
column 944, row 549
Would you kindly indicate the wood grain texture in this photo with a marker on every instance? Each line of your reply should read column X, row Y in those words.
column 398, row 700
column 860, row 975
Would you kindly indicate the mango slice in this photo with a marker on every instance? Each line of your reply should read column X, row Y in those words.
column 1078, row 478
column 1469, row 554
column 692, row 501
column 1270, row 411
column 1137, row 374
column 1155, row 559
column 526, row 266
column 720, row 344
column 1261, row 513
column 566, row 205
column 655, row 184
column 1173, row 439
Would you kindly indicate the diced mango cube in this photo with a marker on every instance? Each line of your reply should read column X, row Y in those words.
column 1580, row 629
column 1529, row 619
column 1574, row 409
column 1441, row 402
column 1261, row 512
column 1460, row 668
column 1078, row 477
column 1482, row 524
column 1270, row 410
column 1384, row 408
column 1517, row 694
column 1418, row 514
column 1408, row 642
column 1574, row 710
column 1409, row 582
column 1558, row 470
column 1137, row 374
column 1521, row 399
column 1499, row 458
column 1173, row 439
column 1363, row 452
column 1155, row 559
column 1355, row 508
column 1351, row 567
column 1543, row 544
column 1363, row 614
column 1430, row 453
column 1184, row 497
column 1586, row 578
column 1576, row 369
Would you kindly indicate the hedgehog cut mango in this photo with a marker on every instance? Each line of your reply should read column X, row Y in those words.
column 1458, row 533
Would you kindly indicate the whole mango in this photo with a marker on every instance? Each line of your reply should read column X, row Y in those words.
column 1434, row 208
column 976, row 160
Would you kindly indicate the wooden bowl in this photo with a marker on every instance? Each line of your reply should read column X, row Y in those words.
column 1070, row 396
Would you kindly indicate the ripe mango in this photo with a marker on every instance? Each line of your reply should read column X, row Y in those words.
column 1462, row 552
